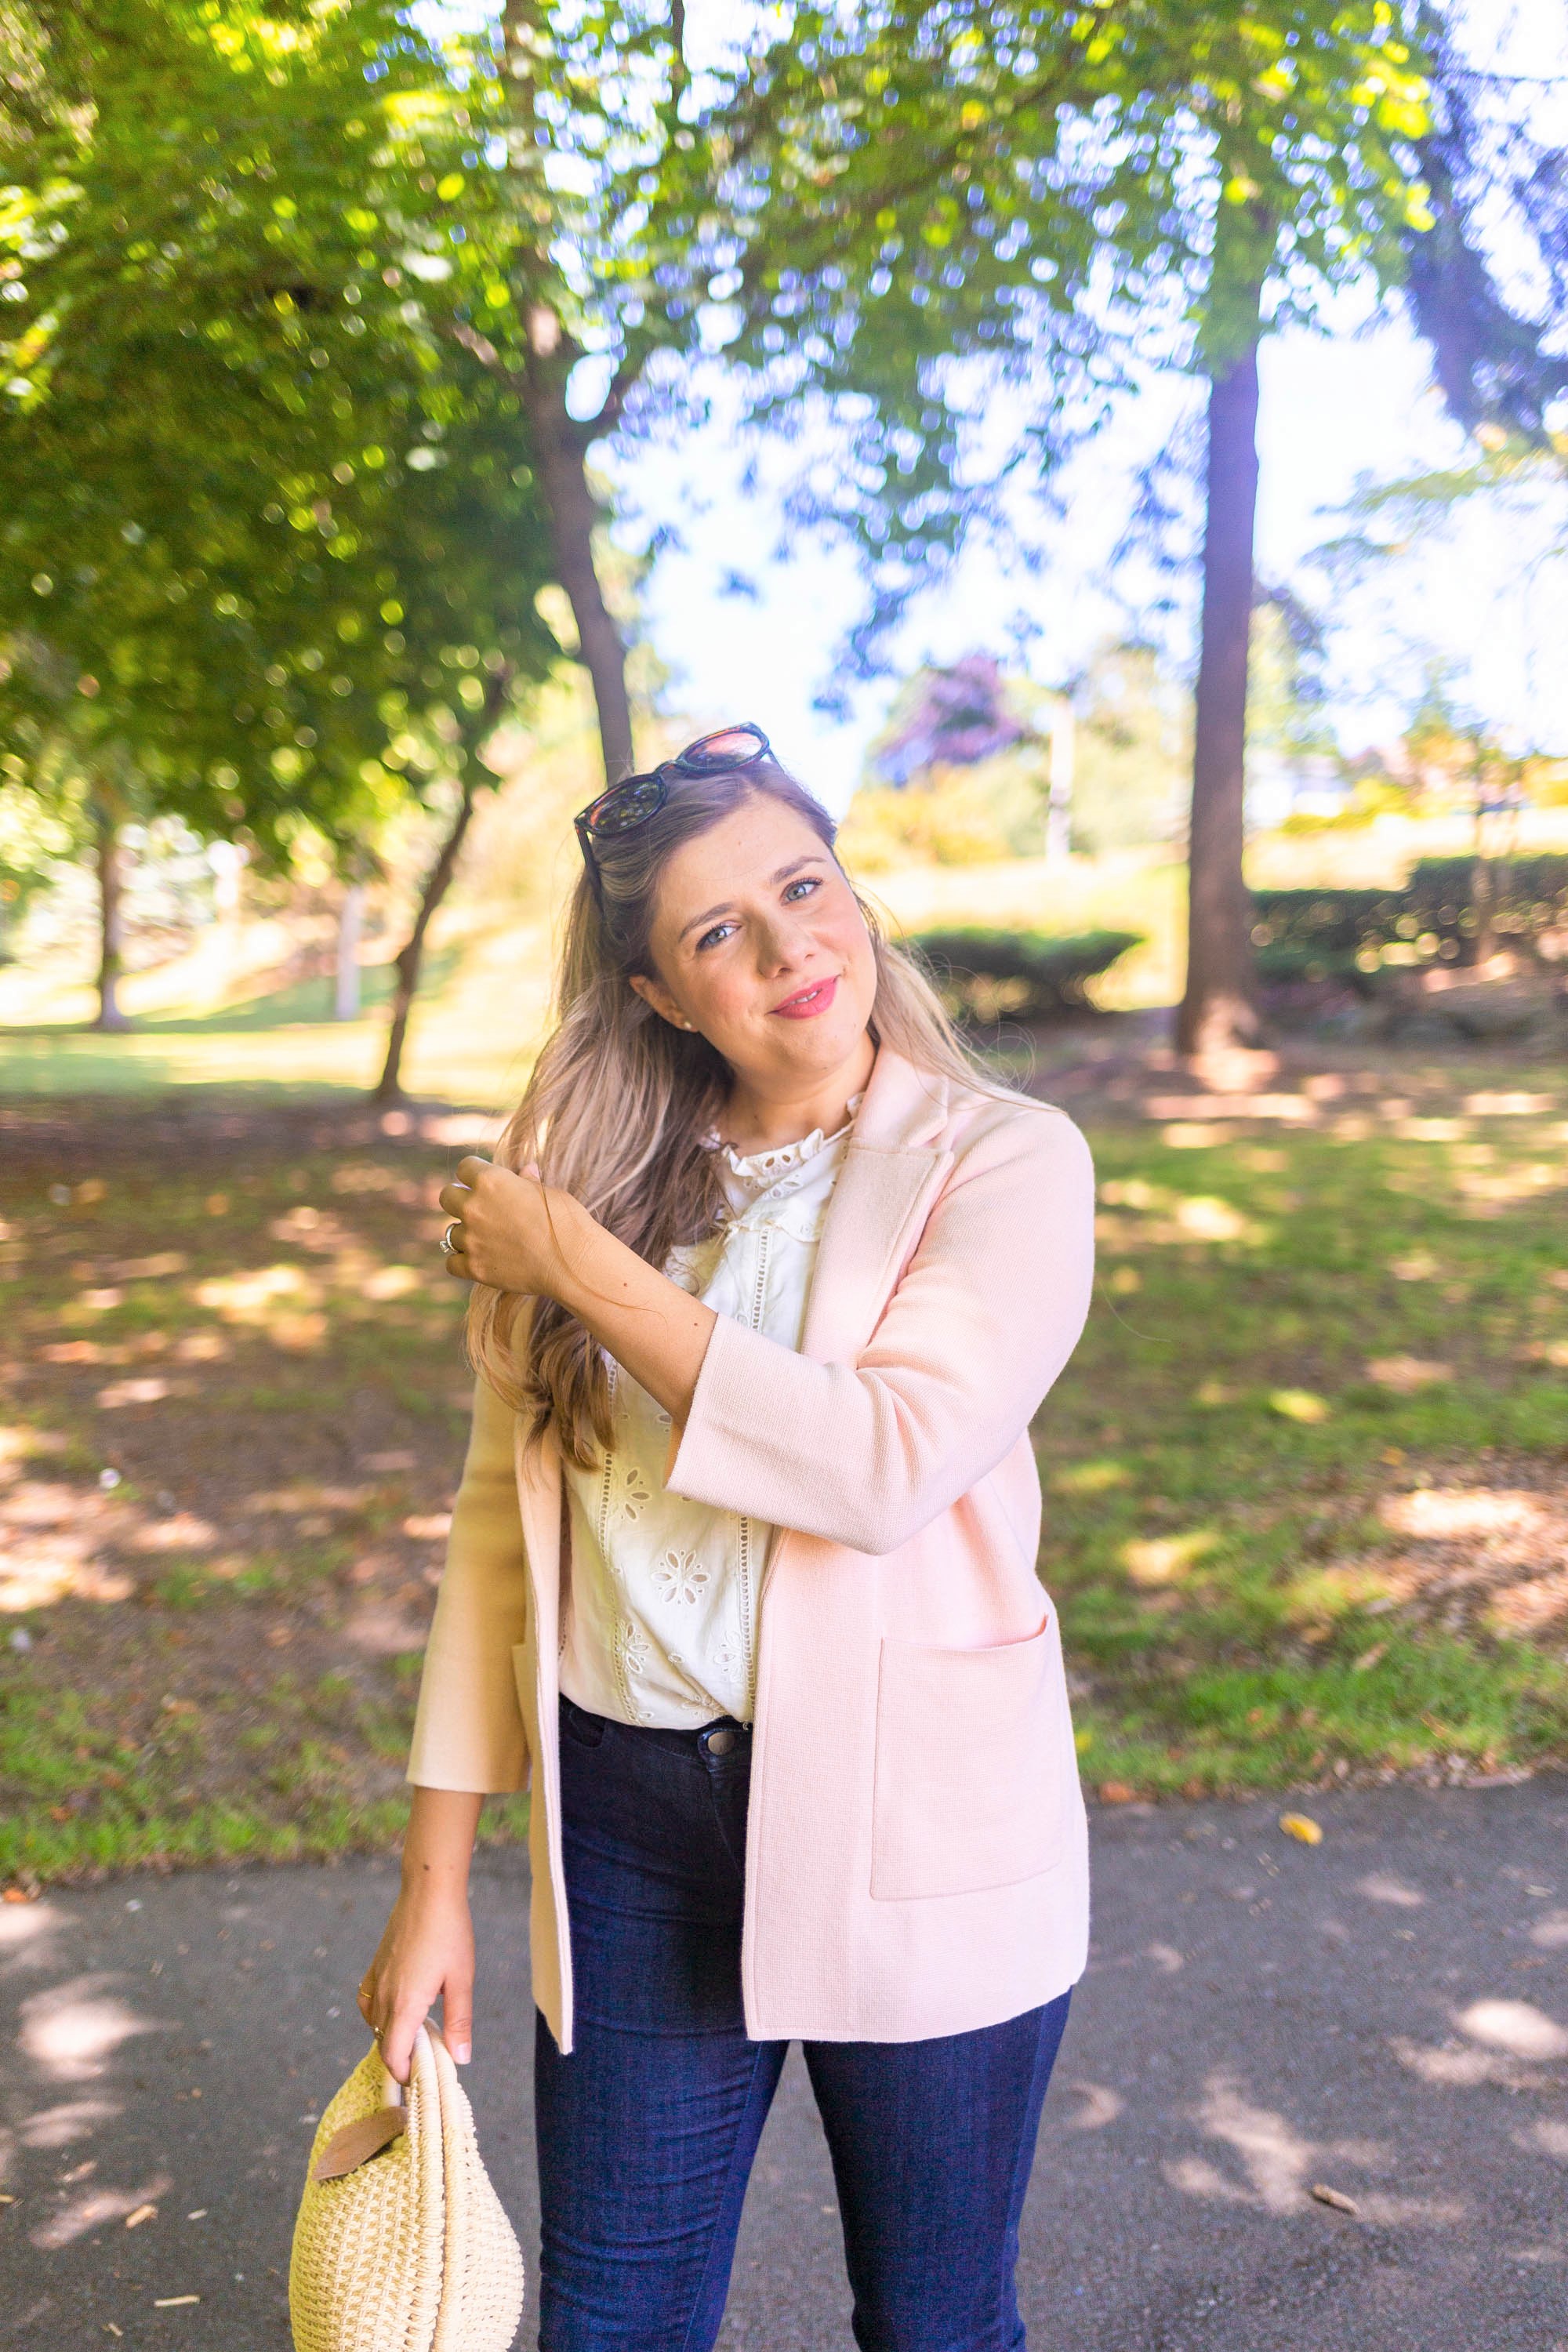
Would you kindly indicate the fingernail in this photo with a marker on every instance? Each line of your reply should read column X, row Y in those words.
column 461, row 2052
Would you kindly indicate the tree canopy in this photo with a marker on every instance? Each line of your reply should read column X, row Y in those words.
column 270, row 520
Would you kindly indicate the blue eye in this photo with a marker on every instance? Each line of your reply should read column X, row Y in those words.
column 806, row 882
column 708, row 936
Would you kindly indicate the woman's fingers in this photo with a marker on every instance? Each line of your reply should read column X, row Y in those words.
column 454, row 1200
column 397, row 2039
column 457, row 2016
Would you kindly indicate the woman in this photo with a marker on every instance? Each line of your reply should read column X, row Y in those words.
column 741, row 1578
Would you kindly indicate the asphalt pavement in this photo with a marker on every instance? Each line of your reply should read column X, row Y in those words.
column 1383, row 2016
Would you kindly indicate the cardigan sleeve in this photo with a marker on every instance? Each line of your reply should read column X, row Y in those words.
column 469, row 1730
column 988, row 1312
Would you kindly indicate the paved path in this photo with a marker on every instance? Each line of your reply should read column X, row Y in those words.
column 1385, row 2014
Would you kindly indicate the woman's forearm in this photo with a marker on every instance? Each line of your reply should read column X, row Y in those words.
column 438, row 1844
column 516, row 1234
column 654, row 1329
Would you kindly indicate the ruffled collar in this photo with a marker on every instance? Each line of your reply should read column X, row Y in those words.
column 759, row 1171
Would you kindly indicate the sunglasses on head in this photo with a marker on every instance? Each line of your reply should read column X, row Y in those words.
column 635, row 799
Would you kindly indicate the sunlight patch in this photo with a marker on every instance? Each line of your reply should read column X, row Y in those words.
column 1407, row 1374
column 1165, row 1560
column 1091, row 1477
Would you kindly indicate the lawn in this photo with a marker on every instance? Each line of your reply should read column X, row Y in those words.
column 1306, row 1509
column 235, row 1406
column 1307, row 1477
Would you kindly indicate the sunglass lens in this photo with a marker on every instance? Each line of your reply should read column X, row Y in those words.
column 631, row 803
column 726, row 750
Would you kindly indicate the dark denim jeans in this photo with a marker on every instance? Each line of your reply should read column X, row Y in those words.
column 647, row 2131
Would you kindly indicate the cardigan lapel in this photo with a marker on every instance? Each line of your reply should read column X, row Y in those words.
column 539, row 1490
column 893, row 1168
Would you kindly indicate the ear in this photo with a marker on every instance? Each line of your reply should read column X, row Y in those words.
column 655, row 994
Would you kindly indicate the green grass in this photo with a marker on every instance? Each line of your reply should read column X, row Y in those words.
column 1230, row 1491
column 1258, row 1544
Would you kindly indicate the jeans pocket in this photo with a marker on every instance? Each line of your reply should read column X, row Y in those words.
column 973, row 1763
column 583, row 1730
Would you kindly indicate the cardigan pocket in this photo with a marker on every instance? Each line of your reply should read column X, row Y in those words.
column 971, row 1768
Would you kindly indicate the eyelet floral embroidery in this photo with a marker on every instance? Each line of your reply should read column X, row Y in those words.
column 629, row 1491
column 727, row 1654
column 630, row 1656
column 661, row 1622
column 680, row 1576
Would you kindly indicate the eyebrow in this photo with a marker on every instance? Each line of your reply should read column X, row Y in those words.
column 812, row 857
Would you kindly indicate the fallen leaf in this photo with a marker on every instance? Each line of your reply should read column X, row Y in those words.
column 1299, row 1404
column 1334, row 2197
column 1301, row 1826
column 1369, row 1658
column 17, row 1894
column 1116, row 1792
column 133, row 2220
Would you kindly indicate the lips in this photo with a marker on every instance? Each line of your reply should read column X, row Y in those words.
column 808, row 1001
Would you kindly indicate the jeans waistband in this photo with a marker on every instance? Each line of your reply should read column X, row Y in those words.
column 723, row 1737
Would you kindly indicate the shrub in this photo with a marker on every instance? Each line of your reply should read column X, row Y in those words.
column 1351, row 934
column 985, row 976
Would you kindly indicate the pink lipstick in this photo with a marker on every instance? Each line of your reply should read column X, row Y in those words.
column 808, row 1001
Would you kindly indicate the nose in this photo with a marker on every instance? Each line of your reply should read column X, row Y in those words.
column 783, row 943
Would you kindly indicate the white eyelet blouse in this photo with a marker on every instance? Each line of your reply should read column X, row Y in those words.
column 661, row 1625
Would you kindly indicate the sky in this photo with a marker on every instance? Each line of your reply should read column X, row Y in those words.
column 1341, row 407
column 1337, row 410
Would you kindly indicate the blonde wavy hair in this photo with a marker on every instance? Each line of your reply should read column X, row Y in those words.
column 619, row 1101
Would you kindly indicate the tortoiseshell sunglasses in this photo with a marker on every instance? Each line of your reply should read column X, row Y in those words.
column 635, row 799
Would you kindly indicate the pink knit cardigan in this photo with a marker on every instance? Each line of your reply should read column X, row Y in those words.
column 916, row 1858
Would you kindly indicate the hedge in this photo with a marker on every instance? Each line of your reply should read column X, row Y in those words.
column 1351, row 934
column 984, row 976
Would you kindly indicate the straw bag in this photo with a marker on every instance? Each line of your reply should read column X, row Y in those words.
column 400, row 2244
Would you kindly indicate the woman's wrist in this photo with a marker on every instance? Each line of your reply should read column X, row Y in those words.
column 440, row 1844
column 566, row 1273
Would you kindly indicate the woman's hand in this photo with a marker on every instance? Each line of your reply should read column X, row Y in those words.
column 511, row 1232
column 426, row 1954
column 505, row 1229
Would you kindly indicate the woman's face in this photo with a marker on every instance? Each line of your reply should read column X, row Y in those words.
column 758, row 942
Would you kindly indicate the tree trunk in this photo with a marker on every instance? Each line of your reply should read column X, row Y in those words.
column 569, row 502
column 1058, row 812
column 560, row 443
column 345, row 991
column 1218, row 1009
column 389, row 1086
column 111, row 886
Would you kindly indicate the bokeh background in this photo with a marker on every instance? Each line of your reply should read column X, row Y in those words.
column 1119, row 456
